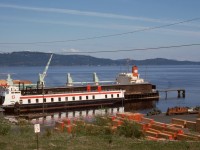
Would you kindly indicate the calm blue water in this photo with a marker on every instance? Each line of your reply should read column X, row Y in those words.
column 164, row 77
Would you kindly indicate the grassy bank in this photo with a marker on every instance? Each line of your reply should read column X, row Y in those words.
column 22, row 136
column 61, row 141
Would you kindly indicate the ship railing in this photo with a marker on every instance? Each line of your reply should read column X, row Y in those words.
column 35, row 92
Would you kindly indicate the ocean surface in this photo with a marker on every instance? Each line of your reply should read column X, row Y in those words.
column 164, row 77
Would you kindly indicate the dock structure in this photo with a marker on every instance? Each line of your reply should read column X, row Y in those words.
column 181, row 92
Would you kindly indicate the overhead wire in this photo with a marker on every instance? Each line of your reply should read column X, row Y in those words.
column 138, row 49
column 103, row 36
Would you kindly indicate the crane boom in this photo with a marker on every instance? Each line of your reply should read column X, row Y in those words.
column 43, row 75
column 47, row 66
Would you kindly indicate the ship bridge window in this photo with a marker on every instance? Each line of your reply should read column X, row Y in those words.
column 73, row 98
column 80, row 97
column 44, row 100
column 106, row 96
column 112, row 95
column 37, row 100
column 117, row 95
column 15, row 92
column 93, row 97
column 29, row 101
column 52, row 99
column 86, row 97
column 59, row 99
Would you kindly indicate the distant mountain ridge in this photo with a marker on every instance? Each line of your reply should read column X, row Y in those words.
column 26, row 58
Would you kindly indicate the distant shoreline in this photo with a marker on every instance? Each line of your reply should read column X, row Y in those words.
column 40, row 59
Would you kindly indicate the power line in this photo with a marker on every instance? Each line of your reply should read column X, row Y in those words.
column 139, row 49
column 105, row 36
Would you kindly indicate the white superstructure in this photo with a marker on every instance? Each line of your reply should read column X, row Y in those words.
column 9, row 95
column 129, row 78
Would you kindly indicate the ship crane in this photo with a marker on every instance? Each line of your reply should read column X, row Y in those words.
column 43, row 75
column 96, row 80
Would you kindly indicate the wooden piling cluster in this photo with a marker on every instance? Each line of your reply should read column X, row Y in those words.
column 181, row 91
column 152, row 129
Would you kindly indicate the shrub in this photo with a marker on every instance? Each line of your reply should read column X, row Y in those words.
column 5, row 127
column 101, row 120
column 48, row 132
column 24, row 126
column 130, row 129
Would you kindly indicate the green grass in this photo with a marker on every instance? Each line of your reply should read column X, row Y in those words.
column 62, row 141
column 22, row 137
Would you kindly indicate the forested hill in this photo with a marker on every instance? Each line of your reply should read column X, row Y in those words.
column 40, row 59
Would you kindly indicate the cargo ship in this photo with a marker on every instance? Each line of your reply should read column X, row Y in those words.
column 22, row 97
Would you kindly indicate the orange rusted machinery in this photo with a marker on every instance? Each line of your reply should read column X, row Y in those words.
column 177, row 110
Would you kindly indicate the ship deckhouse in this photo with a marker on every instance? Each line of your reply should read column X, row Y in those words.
column 129, row 78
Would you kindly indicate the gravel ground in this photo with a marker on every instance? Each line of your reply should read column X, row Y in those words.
column 167, row 119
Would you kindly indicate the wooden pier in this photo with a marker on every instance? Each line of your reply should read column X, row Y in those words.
column 181, row 92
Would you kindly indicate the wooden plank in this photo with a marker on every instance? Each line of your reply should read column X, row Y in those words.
column 191, row 125
column 184, row 137
column 178, row 121
column 166, row 136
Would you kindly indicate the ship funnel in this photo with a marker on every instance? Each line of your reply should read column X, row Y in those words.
column 95, row 78
column 69, row 80
column 135, row 71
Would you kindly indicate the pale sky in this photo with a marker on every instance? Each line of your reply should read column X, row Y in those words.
column 24, row 22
